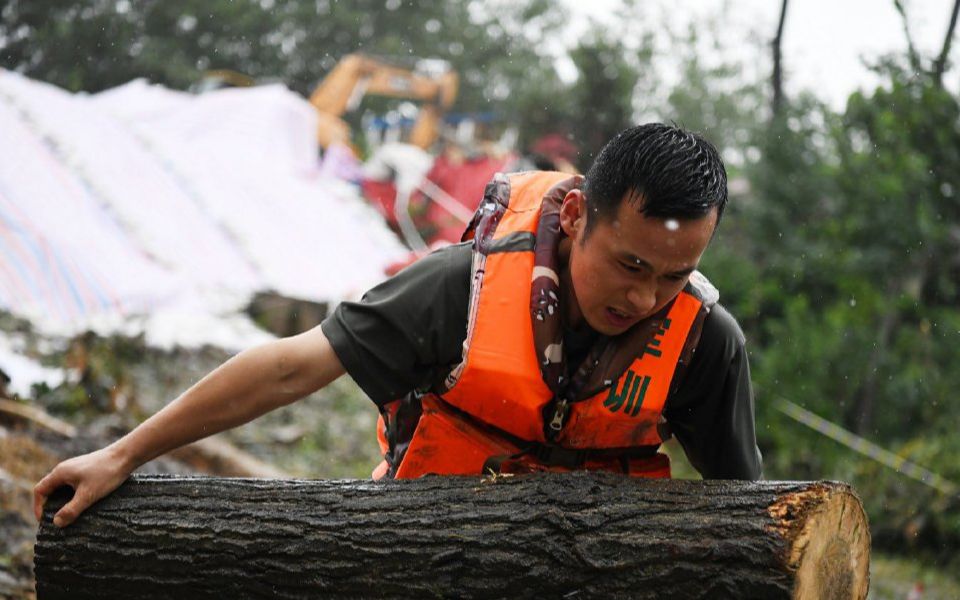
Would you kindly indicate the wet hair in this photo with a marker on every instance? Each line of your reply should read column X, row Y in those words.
column 666, row 171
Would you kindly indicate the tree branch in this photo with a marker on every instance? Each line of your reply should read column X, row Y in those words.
column 777, row 63
column 911, row 48
column 940, row 65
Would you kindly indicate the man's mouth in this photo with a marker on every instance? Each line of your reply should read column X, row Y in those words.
column 618, row 318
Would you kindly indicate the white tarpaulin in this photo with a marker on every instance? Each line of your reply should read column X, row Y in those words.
column 23, row 371
column 119, row 206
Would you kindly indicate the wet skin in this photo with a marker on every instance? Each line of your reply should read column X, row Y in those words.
column 627, row 267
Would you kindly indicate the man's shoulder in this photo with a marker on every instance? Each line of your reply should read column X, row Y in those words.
column 458, row 256
column 721, row 331
column 448, row 260
column 407, row 330
column 445, row 267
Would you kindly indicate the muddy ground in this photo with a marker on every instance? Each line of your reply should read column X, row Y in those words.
column 111, row 385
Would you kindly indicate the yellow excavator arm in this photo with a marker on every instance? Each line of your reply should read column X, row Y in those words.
column 357, row 75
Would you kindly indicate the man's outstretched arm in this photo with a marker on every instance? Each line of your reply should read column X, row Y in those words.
column 248, row 385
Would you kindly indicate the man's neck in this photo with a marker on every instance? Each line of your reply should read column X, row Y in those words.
column 569, row 308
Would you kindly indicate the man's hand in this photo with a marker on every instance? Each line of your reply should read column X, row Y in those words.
column 92, row 476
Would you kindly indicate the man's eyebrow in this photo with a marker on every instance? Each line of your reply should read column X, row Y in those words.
column 683, row 272
column 636, row 260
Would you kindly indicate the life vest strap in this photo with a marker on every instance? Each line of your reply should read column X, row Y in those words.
column 547, row 454
column 550, row 455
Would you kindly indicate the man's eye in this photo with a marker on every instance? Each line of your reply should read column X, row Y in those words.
column 630, row 268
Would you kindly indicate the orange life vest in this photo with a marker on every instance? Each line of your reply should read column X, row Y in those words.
column 492, row 414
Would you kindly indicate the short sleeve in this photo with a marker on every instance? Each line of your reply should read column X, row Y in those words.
column 712, row 413
column 407, row 332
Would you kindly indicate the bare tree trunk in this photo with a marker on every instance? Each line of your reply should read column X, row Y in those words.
column 940, row 65
column 778, row 63
column 575, row 535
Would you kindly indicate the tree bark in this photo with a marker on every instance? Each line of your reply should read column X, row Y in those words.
column 575, row 535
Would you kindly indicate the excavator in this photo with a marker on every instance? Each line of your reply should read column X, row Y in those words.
column 357, row 75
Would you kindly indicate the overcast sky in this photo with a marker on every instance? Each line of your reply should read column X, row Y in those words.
column 824, row 40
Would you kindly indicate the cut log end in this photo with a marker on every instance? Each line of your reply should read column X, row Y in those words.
column 829, row 542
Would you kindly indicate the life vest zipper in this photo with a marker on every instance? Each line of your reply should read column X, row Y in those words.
column 559, row 414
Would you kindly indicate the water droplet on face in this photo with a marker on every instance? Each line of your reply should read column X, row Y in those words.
column 671, row 224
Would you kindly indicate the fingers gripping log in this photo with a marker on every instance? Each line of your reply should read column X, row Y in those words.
column 580, row 535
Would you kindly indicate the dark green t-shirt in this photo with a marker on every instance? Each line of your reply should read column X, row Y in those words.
column 408, row 332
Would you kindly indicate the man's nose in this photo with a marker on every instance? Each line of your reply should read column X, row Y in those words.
column 642, row 298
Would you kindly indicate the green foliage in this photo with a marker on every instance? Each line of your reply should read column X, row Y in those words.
column 910, row 515
column 900, row 165
column 602, row 96
column 893, row 578
column 713, row 96
column 842, row 269
column 99, row 378
column 331, row 434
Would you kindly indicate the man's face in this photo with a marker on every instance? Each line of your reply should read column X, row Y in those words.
column 629, row 267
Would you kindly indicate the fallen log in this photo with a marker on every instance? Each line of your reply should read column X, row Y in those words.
column 580, row 535
column 24, row 412
column 216, row 455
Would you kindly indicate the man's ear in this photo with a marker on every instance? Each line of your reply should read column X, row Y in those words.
column 573, row 213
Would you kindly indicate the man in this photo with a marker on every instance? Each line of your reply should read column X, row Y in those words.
column 570, row 332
